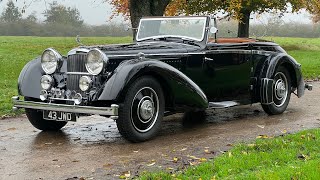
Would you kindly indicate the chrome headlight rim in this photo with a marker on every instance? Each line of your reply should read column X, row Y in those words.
column 87, row 80
column 57, row 60
column 102, row 60
column 50, row 82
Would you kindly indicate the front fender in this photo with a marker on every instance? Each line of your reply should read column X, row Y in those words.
column 182, row 90
column 29, row 79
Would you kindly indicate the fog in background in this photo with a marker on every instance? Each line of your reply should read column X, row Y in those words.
column 97, row 12
column 96, row 15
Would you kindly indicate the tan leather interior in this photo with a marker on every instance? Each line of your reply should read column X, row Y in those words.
column 232, row 40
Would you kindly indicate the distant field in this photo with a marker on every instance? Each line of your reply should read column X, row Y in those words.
column 15, row 52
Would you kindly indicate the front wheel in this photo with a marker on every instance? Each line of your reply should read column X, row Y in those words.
column 281, row 92
column 141, row 114
column 36, row 119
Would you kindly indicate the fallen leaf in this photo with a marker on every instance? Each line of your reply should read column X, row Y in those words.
column 262, row 137
column 183, row 149
column 193, row 157
column 151, row 164
column 229, row 144
column 244, row 152
column 302, row 156
column 107, row 166
column 284, row 131
column 125, row 175
column 203, row 159
column 261, row 126
column 169, row 168
column 175, row 159
column 207, row 151
column 229, row 154
column 12, row 129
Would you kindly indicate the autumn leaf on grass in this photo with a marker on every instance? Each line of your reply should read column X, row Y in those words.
column 262, row 137
column 229, row 154
column 302, row 157
column 251, row 145
column 203, row 160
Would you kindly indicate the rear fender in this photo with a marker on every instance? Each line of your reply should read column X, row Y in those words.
column 182, row 90
column 268, row 71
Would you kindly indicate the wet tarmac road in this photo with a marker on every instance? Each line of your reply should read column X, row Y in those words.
column 92, row 148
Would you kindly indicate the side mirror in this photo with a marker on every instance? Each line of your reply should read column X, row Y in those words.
column 213, row 30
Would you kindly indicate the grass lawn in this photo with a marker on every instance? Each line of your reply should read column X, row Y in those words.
column 295, row 156
column 15, row 52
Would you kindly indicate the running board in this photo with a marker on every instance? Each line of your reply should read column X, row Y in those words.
column 222, row 105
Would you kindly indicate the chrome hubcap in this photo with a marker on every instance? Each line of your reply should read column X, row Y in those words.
column 144, row 109
column 280, row 89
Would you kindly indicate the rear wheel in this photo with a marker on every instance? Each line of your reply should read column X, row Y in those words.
column 141, row 114
column 281, row 92
column 36, row 119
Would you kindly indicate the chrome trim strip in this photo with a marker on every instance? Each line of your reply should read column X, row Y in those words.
column 107, row 111
column 78, row 73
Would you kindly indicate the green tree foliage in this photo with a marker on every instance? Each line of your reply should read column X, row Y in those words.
column 11, row 13
column 59, row 14
column 241, row 9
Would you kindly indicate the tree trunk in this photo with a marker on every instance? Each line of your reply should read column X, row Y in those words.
column 243, row 26
column 141, row 8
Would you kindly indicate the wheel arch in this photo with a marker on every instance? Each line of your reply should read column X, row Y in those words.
column 273, row 62
column 178, row 88
column 166, row 89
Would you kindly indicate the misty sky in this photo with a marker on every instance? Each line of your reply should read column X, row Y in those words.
column 96, row 12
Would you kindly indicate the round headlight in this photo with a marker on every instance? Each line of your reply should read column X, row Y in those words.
column 49, row 60
column 95, row 61
column 85, row 83
column 46, row 82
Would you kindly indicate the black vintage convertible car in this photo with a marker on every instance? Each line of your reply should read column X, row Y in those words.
column 176, row 64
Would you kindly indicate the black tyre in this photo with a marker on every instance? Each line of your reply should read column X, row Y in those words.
column 281, row 92
column 141, row 114
column 36, row 119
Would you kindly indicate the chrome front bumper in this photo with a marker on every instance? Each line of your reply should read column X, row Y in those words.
column 106, row 111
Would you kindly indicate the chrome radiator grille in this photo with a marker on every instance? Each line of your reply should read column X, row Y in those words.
column 76, row 63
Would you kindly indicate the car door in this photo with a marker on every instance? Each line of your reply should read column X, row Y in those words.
column 227, row 71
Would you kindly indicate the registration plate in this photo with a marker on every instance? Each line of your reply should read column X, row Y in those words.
column 58, row 116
